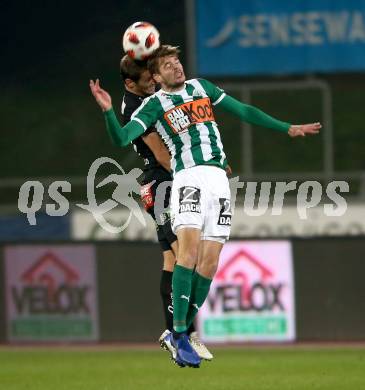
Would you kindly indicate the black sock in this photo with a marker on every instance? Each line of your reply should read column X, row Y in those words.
column 191, row 329
column 166, row 296
column 177, row 335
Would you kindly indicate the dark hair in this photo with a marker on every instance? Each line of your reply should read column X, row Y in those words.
column 132, row 69
column 153, row 61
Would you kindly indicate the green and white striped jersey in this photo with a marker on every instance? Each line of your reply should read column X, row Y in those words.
column 186, row 123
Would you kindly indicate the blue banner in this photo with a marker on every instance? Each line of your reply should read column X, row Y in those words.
column 17, row 228
column 262, row 37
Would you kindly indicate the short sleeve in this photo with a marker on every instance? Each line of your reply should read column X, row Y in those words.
column 215, row 93
column 147, row 113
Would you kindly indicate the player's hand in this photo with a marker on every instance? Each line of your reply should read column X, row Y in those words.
column 303, row 130
column 102, row 97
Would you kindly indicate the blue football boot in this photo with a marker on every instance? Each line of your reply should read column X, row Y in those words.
column 184, row 351
column 166, row 344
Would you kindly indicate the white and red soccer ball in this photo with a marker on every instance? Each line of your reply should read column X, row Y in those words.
column 140, row 40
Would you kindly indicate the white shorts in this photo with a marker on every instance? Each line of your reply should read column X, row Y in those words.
column 201, row 199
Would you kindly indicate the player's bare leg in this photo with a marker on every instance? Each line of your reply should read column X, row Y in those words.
column 189, row 240
column 175, row 249
column 209, row 258
column 168, row 261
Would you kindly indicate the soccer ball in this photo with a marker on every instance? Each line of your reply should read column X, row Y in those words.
column 140, row 40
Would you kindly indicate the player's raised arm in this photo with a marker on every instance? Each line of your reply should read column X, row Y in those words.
column 254, row 115
column 303, row 130
column 120, row 136
column 101, row 96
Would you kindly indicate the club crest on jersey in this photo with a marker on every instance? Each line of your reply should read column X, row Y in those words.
column 181, row 117
column 225, row 213
column 189, row 200
column 197, row 93
column 166, row 96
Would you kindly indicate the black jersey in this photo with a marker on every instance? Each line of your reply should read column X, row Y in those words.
column 130, row 103
column 153, row 174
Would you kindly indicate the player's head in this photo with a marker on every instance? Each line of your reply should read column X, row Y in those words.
column 166, row 68
column 136, row 76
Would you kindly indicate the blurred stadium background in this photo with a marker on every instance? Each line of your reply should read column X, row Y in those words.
column 282, row 279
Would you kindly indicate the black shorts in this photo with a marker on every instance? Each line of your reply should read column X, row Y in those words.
column 152, row 178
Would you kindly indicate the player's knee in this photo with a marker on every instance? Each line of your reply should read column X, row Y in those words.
column 207, row 267
column 209, row 271
column 188, row 255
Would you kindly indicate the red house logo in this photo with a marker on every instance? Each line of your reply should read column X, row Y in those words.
column 50, row 270
column 245, row 269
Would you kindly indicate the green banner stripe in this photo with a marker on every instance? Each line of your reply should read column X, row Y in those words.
column 245, row 326
column 36, row 328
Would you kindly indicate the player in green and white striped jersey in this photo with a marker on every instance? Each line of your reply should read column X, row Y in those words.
column 185, row 121
column 183, row 116
column 182, row 112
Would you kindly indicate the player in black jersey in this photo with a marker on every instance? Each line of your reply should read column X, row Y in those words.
column 138, row 84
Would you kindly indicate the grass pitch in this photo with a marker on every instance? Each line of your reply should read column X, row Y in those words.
column 246, row 368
